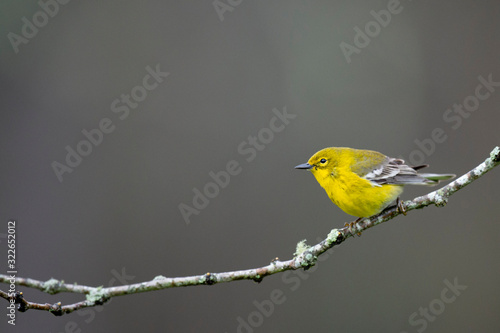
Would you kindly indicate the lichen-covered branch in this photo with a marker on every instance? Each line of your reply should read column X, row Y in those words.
column 305, row 256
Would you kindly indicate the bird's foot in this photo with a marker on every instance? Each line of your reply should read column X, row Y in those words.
column 401, row 206
column 349, row 225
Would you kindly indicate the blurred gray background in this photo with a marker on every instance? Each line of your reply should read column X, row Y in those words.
column 115, row 218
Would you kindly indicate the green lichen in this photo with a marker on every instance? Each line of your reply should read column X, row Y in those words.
column 301, row 248
column 332, row 236
column 309, row 260
column 97, row 296
column 52, row 286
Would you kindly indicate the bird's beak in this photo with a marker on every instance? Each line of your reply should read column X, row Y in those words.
column 304, row 166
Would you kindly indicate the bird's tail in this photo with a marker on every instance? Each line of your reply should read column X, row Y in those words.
column 433, row 178
column 436, row 177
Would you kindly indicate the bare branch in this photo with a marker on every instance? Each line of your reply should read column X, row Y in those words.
column 305, row 257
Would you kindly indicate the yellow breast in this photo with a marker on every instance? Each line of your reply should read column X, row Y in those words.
column 355, row 195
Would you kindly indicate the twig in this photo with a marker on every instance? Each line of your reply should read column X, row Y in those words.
column 305, row 257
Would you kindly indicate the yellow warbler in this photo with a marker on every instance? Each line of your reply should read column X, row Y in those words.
column 364, row 182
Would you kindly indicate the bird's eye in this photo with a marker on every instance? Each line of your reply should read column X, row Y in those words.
column 323, row 161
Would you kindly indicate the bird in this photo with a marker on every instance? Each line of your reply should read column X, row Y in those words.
column 365, row 182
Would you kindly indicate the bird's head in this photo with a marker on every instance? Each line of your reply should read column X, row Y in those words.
column 321, row 164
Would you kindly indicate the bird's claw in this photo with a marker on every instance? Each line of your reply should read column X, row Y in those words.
column 349, row 226
column 401, row 206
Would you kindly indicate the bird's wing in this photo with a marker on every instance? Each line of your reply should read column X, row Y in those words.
column 390, row 171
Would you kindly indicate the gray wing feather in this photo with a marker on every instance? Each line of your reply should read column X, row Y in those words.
column 395, row 172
